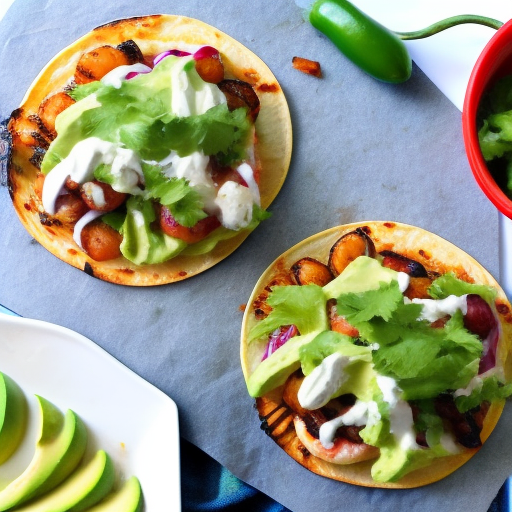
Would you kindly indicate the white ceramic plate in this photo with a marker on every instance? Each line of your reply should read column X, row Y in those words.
column 135, row 423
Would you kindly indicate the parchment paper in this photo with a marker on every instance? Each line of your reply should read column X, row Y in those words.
column 362, row 150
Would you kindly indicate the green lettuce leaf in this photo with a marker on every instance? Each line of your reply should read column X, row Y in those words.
column 183, row 201
column 114, row 219
column 140, row 116
column 302, row 306
column 491, row 389
column 80, row 92
column 448, row 284
column 424, row 361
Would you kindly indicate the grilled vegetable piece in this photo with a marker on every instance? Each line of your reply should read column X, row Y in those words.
column 311, row 271
column 190, row 235
column 479, row 318
column 69, row 208
column 241, row 94
column 100, row 241
column 94, row 65
column 209, row 64
column 132, row 51
column 310, row 67
column 466, row 426
column 401, row 263
column 348, row 248
column 101, row 196
column 418, row 288
column 338, row 323
column 26, row 129
column 50, row 108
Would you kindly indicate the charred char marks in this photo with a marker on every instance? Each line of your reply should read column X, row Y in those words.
column 270, row 424
column 122, row 21
column 303, row 450
column 403, row 264
column 47, row 220
column 131, row 50
column 37, row 157
column 88, row 269
column 465, row 426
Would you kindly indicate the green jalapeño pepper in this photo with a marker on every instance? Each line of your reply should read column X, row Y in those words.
column 367, row 43
column 371, row 46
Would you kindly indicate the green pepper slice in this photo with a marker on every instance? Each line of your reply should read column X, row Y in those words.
column 367, row 43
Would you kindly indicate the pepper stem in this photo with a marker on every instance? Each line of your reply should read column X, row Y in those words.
column 449, row 23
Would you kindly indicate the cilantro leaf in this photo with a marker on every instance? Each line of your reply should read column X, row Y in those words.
column 183, row 201
column 362, row 307
column 80, row 92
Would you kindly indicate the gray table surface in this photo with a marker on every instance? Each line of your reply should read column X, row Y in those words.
column 363, row 150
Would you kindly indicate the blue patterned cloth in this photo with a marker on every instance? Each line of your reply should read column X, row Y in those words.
column 206, row 486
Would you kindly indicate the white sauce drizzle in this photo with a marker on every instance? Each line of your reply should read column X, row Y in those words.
column 83, row 159
column 474, row 383
column 235, row 204
column 247, row 173
column 400, row 414
column 117, row 76
column 81, row 223
column 435, row 309
column 95, row 193
column 361, row 413
column 319, row 386
column 403, row 281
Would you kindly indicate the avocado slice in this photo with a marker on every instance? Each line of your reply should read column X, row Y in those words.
column 13, row 416
column 128, row 499
column 88, row 485
column 59, row 449
column 361, row 275
column 273, row 371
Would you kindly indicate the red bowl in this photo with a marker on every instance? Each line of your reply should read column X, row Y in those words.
column 494, row 62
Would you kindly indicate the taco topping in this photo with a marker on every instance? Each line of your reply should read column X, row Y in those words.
column 377, row 358
column 155, row 149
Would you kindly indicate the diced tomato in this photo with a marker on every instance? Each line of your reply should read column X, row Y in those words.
column 220, row 174
column 190, row 235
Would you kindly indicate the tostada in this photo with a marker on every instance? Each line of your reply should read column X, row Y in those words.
column 378, row 354
column 147, row 150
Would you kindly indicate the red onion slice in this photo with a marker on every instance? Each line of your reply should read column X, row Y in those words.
column 175, row 52
column 278, row 338
column 205, row 52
